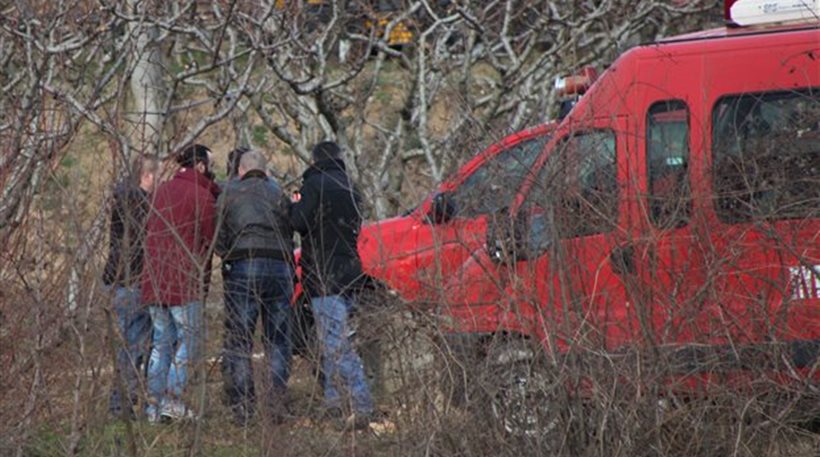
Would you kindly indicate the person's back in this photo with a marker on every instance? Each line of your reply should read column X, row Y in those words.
column 127, row 233
column 254, row 220
column 329, row 219
column 255, row 242
column 179, row 231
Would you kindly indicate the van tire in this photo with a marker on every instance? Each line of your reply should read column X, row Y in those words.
column 518, row 393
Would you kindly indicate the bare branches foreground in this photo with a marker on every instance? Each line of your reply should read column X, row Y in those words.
column 88, row 86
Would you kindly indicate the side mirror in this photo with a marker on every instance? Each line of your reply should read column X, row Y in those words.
column 442, row 209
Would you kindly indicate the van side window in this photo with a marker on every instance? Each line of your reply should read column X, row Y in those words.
column 667, row 162
column 579, row 184
column 766, row 155
column 493, row 185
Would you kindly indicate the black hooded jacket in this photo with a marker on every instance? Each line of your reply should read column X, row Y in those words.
column 328, row 219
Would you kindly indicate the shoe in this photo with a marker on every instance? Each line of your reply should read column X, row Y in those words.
column 279, row 418
column 278, row 409
column 152, row 414
column 175, row 410
column 118, row 413
column 362, row 421
column 357, row 421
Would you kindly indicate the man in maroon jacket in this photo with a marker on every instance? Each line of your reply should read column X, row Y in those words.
column 180, row 230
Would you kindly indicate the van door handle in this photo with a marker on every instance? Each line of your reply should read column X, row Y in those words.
column 622, row 259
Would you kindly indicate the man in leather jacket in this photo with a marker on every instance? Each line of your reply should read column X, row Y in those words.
column 255, row 241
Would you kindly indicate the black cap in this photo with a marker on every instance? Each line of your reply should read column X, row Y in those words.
column 326, row 150
column 193, row 154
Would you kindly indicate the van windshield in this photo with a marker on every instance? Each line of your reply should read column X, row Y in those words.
column 494, row 184
column 766, row 156
column 576, row 190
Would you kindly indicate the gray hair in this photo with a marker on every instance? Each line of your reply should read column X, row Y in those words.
column 253, row 160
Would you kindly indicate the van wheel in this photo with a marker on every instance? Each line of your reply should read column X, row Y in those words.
column 519, row 393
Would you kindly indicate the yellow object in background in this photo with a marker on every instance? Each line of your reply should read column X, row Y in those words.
column 399, row 35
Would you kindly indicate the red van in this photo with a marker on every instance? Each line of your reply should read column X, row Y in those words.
column 676, row 209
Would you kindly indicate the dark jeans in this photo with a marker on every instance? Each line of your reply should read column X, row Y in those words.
column 134, row 327
column 252, row 287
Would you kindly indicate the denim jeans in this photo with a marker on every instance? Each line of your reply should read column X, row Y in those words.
column 342, row 367
column 134, row 327
column 178, row 334
column 253, row 287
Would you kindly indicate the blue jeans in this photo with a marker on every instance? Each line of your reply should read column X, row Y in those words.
column 253, row 287
column 178, row 333
column 134, row 327
column 341, row 366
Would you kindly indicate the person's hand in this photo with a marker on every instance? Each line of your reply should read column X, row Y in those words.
column 295, row 197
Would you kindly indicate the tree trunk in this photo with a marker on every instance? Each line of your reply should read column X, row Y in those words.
column 147, row 88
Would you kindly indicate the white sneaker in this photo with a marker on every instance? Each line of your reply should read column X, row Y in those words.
column 175, row 410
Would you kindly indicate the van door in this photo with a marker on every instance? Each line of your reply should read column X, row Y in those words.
column 483, row 193
column 575, row 240
column 766, row 182
column 668, row 298
column 765, row 230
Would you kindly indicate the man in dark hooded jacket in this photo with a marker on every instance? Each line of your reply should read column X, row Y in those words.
column 328, row 219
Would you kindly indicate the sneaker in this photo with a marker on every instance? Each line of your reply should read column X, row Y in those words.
column 175, row 410
column 152, row 414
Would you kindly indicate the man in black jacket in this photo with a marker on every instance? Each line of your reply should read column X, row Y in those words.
column 122, row 274
column 328, row 220
column 255, row 241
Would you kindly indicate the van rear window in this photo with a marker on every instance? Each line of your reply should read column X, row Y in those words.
column 766, row 156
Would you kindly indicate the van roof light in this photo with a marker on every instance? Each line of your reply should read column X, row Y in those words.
column 755, row 12
column 576, row 84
